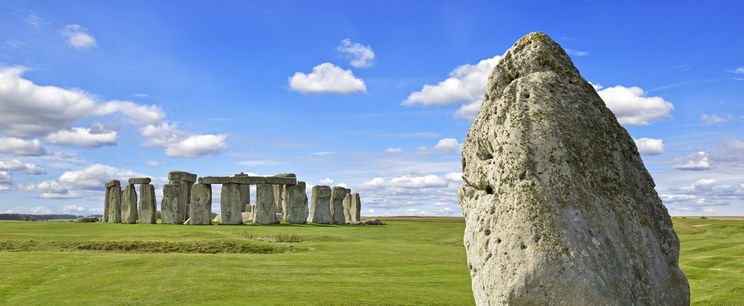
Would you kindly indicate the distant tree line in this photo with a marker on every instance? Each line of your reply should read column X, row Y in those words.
column 30, row 217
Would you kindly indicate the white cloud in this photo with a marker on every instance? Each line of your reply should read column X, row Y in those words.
column 83, row 137
column 260, row 162
column 155, row 163
column 327, row 78
column 140, row 114
column 17, row 165
column 714, row 119
column 447, row 145
column 633, row 107
column 325, row 181
column 22, row 147
column 72, row 184
column 466, row 83
column 393, row 150
column 576, row 52
column 360, row 56
column 703, row 193
column 738, row 70
column 412, row 191
column 78, row 36
column 31, row 110
column 694, row 162
column 5, row 177
column 649, row 146
column 197, row 146
column 74, row 209
column 468, row 111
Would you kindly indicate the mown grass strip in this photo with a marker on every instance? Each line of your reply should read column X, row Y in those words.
column 199, row 247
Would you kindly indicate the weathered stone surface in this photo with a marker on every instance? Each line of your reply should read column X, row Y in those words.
column 181, row 176
column 347, row 207
column 278, row 196
column 286, row 175
column 247, row 180
column 106, row 205
column 200, row 205
column 265, row 210
column 368, row 222
column 113, row 183
column 245, row 197
column 295, row 205
column 147, row 209
column 230, row 204
column 320, row 204
column 337, row 205
column 247, row 217
column 129, row 213
column 114, row 195
column 170, row 205
column 356, row 208
column 140, row 180
column 559, row 207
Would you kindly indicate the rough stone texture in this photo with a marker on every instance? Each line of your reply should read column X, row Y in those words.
column 265, row 210
column 356, row 208
column 181, row 176
column 245, row 197
column 200, row 205
column 147, row 206
column 114, row 195
column 113, row 183
column 559, row 207
column 106, row 205
column 347, row 207
column 230, row 204
column 278, row 196
column 184, row 197
column 368, row 222
column 247, row 217
column 140, row 180
column 320, row 205
column 170, row 205
column 248, row 180
column 295, row 204
column 129, row 205
column 337, row 205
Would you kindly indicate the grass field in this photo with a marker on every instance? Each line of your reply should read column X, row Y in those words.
column 407, row 261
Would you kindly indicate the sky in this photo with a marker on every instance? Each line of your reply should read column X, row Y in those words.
column 376, row 96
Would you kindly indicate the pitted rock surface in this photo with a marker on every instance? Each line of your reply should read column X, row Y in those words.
column 295, row 205
column 230, row 204
column 559, row 207
column 170, row 205
column 129, row 205
column 320, row 204
column 265, row 209
column 201, row 204
column 147, row 206
column 338, row 194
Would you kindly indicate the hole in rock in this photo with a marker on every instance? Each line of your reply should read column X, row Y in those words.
column 498, row 240
column 489, row 189
column 488, row 232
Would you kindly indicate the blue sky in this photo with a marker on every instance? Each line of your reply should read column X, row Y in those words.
column 376, row 96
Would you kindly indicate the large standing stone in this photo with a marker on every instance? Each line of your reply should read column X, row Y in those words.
column 106, row 204
column 200, row 204
column 278, row 196
column 356, row 208
column 337, row 205
column 559, row 207
column 320, row 204
column 147, row 205
column 114, row 201
column 184, row 180
column 230, row 204
column 129, row 205
column 245, row 194
column 265, row 210
column 295, row 206
column 170, row 205
column 347, row 206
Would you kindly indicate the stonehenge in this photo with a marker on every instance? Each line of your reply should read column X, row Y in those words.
column 188, row 200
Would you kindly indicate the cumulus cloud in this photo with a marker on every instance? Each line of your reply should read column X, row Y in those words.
column 649, row 146
column 181, row 144
column 633, row 107
column 78, row 36
column 359, row 55
column 467, row 83
column 325, row 181
column 714, row 119
column 703, row 193
column 738, row 70
column 72, row 184
column 31, row 110
column 5, row 177
column 17, row 165
column 393, row 150
column 141, row 114
column 83, row 137
column 447, row 145
column 697, row 161
column 327, row 78
column 22, row 147
column 399, row 193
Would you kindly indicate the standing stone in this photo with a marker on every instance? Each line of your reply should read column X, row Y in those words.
column 265, row 210
column 295, row 206
column 170, row 205
column 129, row 205
column 347, row 206
column 230, row 204
column 278, row 191
column 106, row 204
column 559, row 207
column 337, row 205
column 114, row 200
column 200, row 204
column 320, row 205
column 355, row 208
column 185, row 181
column 245, row 195
column 147, row 206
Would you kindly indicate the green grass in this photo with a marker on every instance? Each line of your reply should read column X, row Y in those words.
column 408, row 261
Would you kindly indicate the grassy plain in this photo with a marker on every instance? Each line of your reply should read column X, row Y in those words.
column 408, row 261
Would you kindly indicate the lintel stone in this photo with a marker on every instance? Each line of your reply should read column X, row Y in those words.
column 140, row 180
column 181, row 176
column 113, row 183
column 247, row 180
